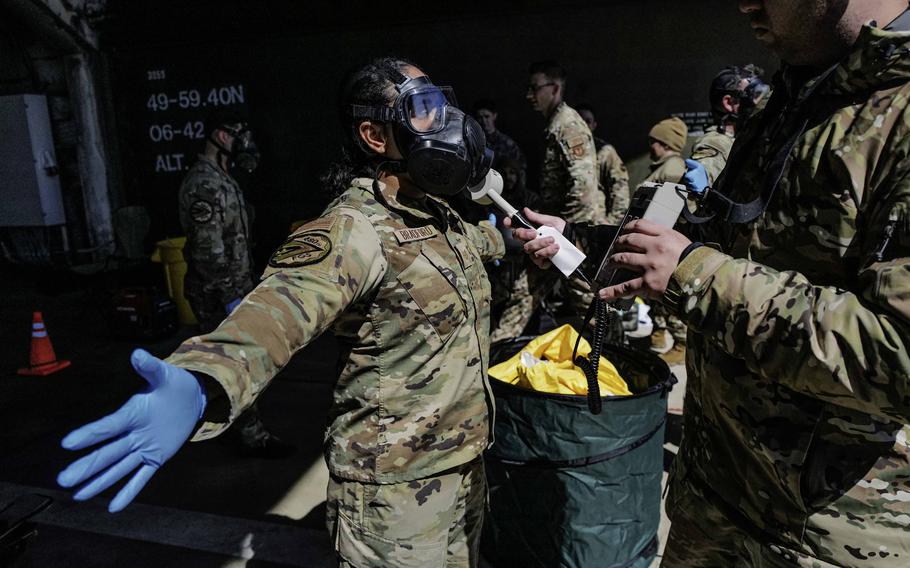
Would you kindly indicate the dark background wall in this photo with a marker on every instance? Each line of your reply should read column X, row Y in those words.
column 637, row 61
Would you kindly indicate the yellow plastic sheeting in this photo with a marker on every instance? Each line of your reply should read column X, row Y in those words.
column 545, row 365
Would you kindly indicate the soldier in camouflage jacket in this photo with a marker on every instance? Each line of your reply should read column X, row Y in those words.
column 214, row 215
column 399, row 278
column 795, row 448
column 568, row 187
column 216, row 219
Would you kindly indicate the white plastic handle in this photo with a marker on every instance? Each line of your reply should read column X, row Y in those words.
column 569, row 257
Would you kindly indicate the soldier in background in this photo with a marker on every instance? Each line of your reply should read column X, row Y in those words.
column 797, row 408
column 735, row 92
column 665, row 142
column 504, row 148
column 216, row 220
column 506, row 271
column 568, row 188
column 612, row 176
column 398, row 277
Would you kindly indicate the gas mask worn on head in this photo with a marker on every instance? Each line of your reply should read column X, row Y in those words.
column 243, row 151
column 749, row 98
column 444, row 149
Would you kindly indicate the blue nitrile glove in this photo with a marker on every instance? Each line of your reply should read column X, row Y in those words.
column 696, row 178
column 146, row 432
column 492, row 219
column 232, row 305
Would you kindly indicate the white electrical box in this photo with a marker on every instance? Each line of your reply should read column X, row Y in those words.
column 29, row 179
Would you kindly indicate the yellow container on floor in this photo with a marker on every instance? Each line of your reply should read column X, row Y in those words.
column 169, row 253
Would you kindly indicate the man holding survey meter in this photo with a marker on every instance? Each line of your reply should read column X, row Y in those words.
column 795, row 447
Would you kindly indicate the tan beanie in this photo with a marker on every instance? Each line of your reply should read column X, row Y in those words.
column 672, row 132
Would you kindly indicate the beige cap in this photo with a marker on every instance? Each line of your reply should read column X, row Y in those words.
column 672, row 132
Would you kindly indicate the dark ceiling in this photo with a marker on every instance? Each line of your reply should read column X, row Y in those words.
column 130, row 24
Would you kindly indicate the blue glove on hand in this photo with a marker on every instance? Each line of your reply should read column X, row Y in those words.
column 146, row 432
column 696, row 178
column 232, row 305
column 492, row 219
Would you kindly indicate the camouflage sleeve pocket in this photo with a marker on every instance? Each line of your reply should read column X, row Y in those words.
column 434, row 294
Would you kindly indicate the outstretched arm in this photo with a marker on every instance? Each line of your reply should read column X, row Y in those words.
column 144, row 433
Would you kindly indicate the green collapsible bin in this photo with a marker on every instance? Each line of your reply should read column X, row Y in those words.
column 572, row 489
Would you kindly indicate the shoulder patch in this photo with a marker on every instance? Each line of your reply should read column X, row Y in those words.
column 576, row 145
column 201, row 211
column 309, row 244
column 416, row 234
column 303, row 248
column 705, row 152
column 575, row 141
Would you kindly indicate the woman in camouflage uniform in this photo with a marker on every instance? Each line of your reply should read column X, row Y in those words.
column 399, row 279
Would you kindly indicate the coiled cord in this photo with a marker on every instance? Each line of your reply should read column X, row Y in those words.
column 590, row 365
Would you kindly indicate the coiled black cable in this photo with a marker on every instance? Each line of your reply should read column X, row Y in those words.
column 589, row 366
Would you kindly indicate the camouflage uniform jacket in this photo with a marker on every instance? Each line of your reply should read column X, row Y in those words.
column 712, row 151
column 406, row 294
column 214, row 216
column 670, row 168
column 568, row 184
column 798, row 368
column 613, row 180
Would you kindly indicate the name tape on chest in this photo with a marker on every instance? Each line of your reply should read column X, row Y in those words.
column 416, row 234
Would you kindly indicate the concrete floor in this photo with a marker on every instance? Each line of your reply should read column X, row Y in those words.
column 207, row 506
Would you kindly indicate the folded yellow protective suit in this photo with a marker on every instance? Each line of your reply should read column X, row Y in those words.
column 545, row 365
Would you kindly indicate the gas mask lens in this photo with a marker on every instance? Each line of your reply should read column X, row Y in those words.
column 756, row 90
column 425, row 109
column 244, row 151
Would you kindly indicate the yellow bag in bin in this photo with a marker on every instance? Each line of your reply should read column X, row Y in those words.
column 545, row 365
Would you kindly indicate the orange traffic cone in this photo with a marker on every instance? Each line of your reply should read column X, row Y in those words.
column 43, row 361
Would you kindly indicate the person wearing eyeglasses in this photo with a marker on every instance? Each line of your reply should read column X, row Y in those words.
column 568, row 189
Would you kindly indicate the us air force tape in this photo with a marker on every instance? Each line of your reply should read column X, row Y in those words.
column 309, row 245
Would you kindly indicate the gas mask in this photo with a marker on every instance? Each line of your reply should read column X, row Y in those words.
column 444, row 149
column 730, row 82
column 243, row 151
column 749, row 98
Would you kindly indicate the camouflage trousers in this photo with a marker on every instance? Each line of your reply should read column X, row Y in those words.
column 528, row 291
column 427, row 523
column 702, row 536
